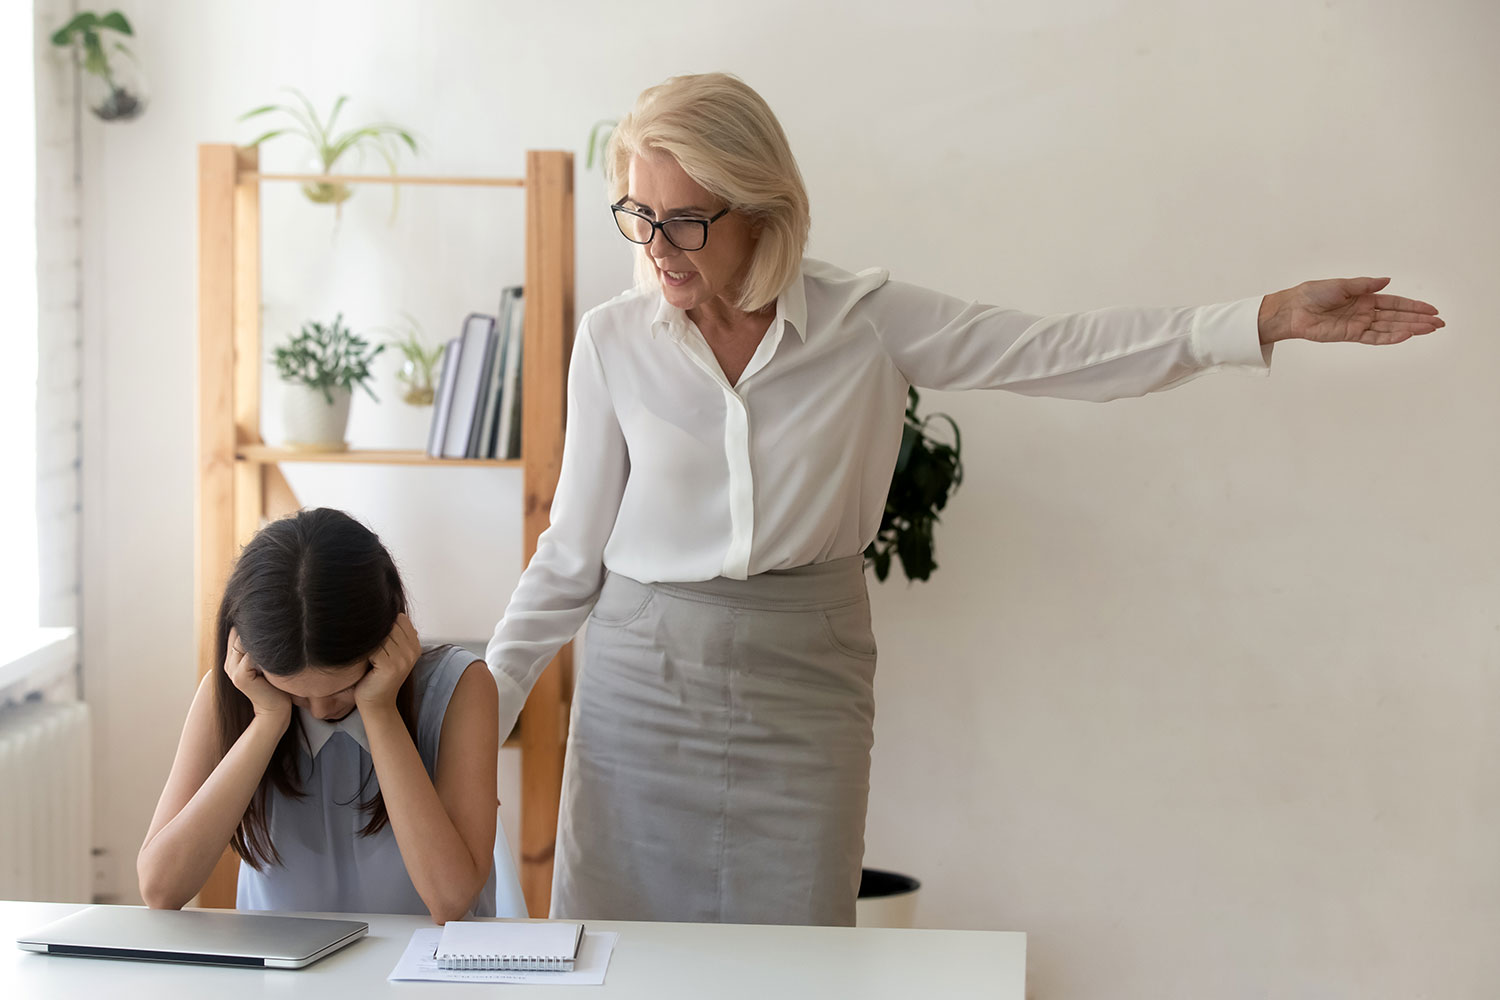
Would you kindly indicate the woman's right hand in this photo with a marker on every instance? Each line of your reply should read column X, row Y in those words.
column 268, row 701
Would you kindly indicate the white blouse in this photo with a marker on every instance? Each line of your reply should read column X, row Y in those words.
column 672, row 473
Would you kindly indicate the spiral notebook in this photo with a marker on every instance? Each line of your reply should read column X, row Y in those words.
column 483, row 944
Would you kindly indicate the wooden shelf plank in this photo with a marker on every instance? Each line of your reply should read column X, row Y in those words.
column 516, row 182
column 269, row 455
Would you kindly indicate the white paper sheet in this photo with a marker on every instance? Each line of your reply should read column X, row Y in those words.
column 588, row 970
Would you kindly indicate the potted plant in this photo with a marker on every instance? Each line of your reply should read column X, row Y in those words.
column 598, row 140
column 321, row 365
column 114, row 91
column 419, row 369
column 328, row 146
column 928, row 472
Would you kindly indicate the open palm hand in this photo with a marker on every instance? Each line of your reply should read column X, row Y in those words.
column 1345, row 310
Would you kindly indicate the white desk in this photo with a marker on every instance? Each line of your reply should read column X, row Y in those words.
column 655, row 961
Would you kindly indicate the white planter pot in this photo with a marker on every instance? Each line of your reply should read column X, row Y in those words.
column 309, row 422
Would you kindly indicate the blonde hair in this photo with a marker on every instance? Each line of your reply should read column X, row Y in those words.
column 725, row 137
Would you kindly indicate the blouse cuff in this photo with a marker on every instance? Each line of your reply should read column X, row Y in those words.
column 512, row 699
column 1228, row 336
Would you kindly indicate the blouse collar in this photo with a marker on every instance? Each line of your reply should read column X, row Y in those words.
column 320, row 731
column 791, row 308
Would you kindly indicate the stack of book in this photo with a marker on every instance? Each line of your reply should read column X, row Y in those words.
column 477, row 410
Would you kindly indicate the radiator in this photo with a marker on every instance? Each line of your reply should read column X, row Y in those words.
column 45, row 791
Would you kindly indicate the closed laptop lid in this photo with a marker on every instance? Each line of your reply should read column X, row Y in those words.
column 204, row 937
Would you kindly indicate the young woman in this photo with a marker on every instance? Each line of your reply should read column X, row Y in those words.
column 351, row 769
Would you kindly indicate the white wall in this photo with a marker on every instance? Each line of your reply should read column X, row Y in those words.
column 1203, row 693
column 59, row 343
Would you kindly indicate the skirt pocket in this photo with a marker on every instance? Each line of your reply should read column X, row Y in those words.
column 848, row 630
column 621, row 602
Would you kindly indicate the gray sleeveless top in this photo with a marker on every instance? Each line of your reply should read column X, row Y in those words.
column 326, row 866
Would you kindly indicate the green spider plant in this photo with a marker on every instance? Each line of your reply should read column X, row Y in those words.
column 419, row 369
column 382, row 138
column 598, row 142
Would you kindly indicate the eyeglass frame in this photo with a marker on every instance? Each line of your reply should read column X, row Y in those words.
column 659, row 227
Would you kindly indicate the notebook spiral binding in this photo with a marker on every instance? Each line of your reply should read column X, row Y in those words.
column 504, row 963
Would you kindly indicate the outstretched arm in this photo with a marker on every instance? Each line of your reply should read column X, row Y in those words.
column 938, row 341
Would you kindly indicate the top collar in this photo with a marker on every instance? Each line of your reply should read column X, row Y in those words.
column 320, row 731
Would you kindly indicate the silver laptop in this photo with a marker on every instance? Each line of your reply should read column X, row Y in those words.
column 198, row 937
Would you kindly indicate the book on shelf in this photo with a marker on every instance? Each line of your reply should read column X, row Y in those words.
column 443, row 399
column 508, row 420
column 466, row 400
column 510, row 300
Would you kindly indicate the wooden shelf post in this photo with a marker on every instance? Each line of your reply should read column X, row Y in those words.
column 549, row 308
column 228, row 402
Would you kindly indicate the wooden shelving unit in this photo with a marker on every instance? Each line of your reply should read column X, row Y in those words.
column 240, row 485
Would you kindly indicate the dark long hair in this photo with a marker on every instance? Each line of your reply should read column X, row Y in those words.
column 316, row 589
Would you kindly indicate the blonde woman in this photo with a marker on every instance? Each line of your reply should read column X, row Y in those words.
column 733, row 424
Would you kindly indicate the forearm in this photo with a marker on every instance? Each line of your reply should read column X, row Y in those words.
column 173, row 865
column 445, row 873
column 551, row 602
column 1270, row 321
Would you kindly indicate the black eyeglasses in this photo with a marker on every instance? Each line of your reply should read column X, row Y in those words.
column 682, row 233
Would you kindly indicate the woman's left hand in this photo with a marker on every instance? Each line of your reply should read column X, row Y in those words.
column 1344, row 310
column 389, row 667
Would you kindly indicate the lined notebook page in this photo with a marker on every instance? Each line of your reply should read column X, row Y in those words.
column 483, row 944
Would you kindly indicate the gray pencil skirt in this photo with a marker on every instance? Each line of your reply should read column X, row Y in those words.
column 718, row 764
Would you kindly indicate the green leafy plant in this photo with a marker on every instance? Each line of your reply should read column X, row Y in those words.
column 928, row 472
column 418, row 375
column 382, row 138
column 86, row 32
column 327, row 357
column 598, row 140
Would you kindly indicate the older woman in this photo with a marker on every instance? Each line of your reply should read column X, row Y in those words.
column 733, row 424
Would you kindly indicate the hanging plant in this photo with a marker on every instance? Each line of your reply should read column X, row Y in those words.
column 115, row 91
column 328, row 146
column 928, row 472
